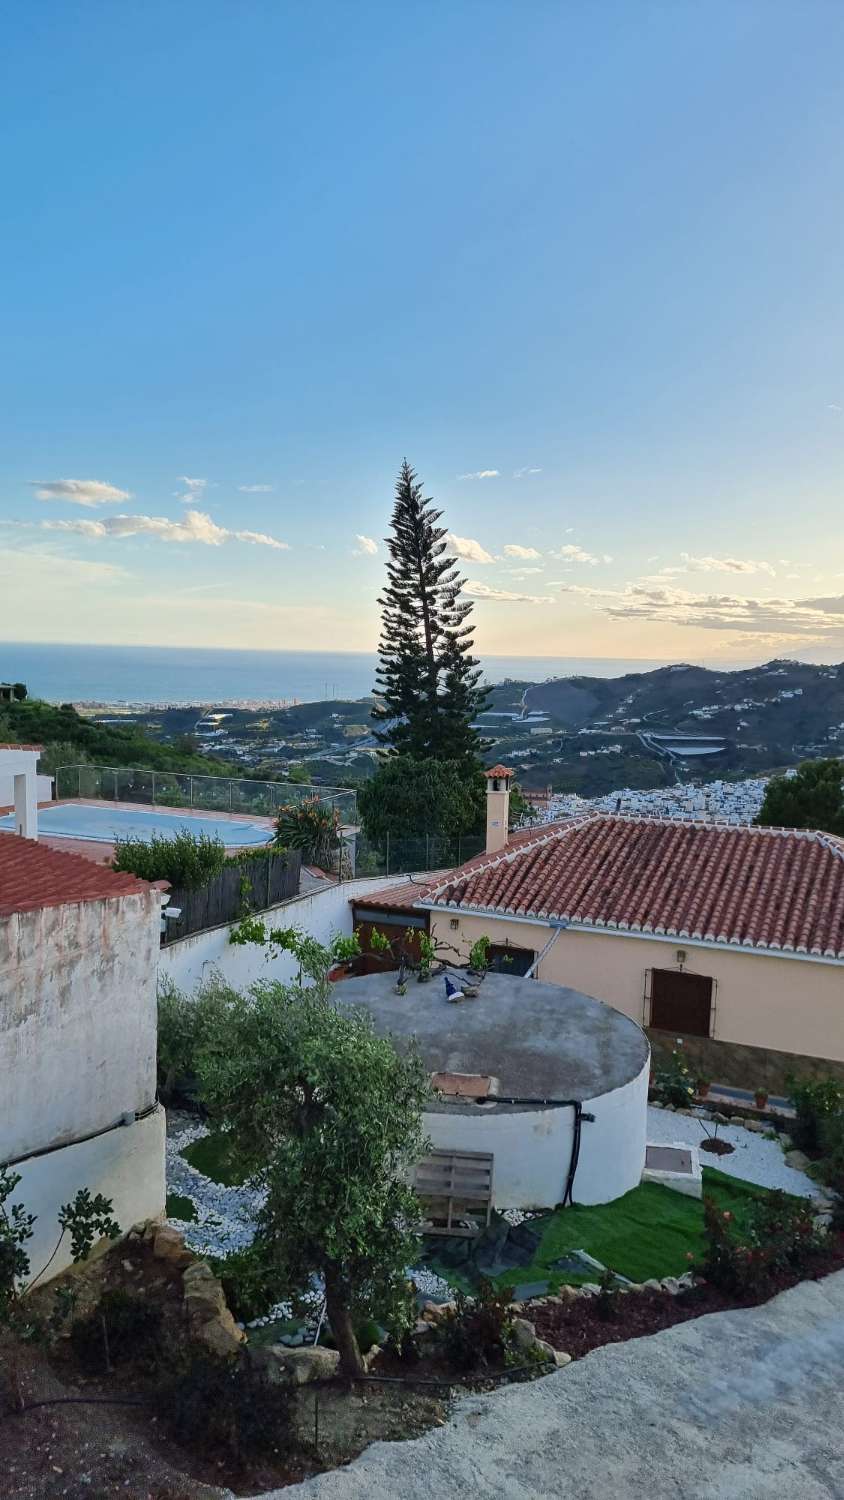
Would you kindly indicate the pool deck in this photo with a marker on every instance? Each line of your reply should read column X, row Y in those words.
column 102, row 853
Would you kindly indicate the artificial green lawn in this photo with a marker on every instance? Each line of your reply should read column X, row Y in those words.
column 645, row 1234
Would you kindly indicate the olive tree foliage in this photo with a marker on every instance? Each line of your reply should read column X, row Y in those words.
column 326, row 1117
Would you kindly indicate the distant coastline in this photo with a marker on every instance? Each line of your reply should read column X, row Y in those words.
column 159, row 675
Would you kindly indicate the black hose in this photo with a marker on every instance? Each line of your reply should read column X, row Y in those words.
column 568, row 1197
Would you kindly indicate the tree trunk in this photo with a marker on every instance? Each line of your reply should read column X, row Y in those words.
column 340, row 1318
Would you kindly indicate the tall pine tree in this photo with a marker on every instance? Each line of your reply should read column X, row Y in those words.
column 428, row 679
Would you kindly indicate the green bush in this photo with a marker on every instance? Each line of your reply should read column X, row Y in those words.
column 480, row 1330
column 673, row 1082
column 224, row 1406
column 121, row 1327
column 182, row 1023
column 776, row 1237
column 816, row 1101
column 250, row 1285
column 188, row 860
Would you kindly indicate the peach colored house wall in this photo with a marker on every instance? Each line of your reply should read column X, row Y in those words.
column 788, row 1005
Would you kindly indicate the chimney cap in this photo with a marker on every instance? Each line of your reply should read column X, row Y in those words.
column 499, row 771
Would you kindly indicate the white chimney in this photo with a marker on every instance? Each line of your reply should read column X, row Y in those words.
column 498, row 782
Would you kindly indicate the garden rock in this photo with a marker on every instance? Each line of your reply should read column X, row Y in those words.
column 221, row 1335
column 798, row 1160
column 554, row 1356
column 297, row 1366
column 203, row 1293
column 524, row 1333
column 758, row 1127
column 169, row 1246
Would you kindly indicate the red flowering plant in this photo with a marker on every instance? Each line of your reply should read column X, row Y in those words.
column 775, row 1237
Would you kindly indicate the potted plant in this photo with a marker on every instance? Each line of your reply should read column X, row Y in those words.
column 760, row 1098
column 479, row 956
column 427, row 954
column 703, row 1086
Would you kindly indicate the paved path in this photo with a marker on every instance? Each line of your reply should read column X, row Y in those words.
column 735, row 1406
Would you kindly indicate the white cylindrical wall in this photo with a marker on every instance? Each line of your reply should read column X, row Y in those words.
column 612, row 1148
column 532, row 1147
column 125, row 1164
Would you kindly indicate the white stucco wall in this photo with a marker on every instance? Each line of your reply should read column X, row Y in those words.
column 188, row 961
column 125, row 1165
column 43, row 787
column 532, row 1149
column 77, row 1019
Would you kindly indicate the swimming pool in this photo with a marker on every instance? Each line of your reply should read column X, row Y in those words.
column 103, row 824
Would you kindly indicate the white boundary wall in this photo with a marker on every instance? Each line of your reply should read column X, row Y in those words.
column 189, row 961
column 43, row 787
column 532, row 1148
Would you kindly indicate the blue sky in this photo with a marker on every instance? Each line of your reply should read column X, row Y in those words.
column 254, row 254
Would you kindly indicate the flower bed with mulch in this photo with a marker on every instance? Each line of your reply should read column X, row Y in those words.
column 579, row 1324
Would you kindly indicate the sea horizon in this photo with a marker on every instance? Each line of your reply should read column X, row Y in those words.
column 158, row 675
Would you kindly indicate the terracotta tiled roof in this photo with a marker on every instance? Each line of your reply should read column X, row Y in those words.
column 9, row 746
column 498, row 770
column 774, row 889
column 33, row 875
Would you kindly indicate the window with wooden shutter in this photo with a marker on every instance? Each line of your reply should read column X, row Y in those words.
column 681, row 1002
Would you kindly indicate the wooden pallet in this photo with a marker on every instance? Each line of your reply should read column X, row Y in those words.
column 455, row 1185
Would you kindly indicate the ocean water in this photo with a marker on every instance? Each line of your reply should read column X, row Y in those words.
column 173, row 674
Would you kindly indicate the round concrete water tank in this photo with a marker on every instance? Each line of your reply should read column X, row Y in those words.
column 513, row 1065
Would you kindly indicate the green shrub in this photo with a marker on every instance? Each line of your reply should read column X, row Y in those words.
column 816, row 1101
column 188, row 860
column 224, row 1406
column 480, row 1330
column 250, row 1285
column 121, row 1327
column 182, row 1027
column 313, row 828
column 673, row 1082
column 776, row 1237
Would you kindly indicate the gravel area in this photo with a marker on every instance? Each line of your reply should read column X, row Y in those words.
column 754, row 1159
column 225, row 1218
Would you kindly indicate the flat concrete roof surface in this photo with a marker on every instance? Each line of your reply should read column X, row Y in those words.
column 538, row 1040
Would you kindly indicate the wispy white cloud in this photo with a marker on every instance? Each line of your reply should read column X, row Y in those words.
column 523, row 572
column 481, row 474
column 478, row 590
column 689, row 563
column 197, row 526
column 571, row 553
column 366, row 546
column 521, row 473
column 25, row 567
column 468, row 548
column 89, row 492
column 194, row 491
column 513, row 549
column 833, row 406
column 770, row 620
column 255, row 489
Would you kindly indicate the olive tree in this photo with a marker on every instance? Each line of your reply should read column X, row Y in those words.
column 326, row 1117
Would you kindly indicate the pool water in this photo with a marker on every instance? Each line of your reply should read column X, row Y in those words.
column 103, row 824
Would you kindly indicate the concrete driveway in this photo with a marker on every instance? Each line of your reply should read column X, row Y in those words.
column 743, row 1404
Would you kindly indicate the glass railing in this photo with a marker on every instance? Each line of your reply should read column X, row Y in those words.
column 203, row 793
